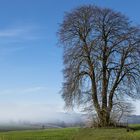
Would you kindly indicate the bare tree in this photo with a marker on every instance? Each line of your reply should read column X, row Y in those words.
column 101, row 59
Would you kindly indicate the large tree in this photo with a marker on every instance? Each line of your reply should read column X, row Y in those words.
column 101, row 59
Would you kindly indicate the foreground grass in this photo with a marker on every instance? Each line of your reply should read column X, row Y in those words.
column 107, row 134
column 74, row 134
column 48, row 134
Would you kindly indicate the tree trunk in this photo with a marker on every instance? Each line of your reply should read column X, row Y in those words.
column 104, row 119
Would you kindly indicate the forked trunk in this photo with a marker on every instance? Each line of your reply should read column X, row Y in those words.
column 104, row 119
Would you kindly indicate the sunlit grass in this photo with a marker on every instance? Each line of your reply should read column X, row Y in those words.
column 49, row 134
column 74, row 134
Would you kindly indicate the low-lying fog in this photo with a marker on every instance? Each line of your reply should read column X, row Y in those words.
column 36, row 113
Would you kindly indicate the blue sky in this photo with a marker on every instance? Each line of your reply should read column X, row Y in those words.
column 30, row 59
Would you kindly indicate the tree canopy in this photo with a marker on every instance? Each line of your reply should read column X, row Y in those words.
column 101, row 59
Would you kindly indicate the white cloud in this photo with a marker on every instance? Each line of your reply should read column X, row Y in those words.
column 17, row 38
column 27, row 90
column 11, row 32
column 21, row 33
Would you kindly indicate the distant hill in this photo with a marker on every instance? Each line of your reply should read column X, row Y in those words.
column 133, row 119
column 63, row 120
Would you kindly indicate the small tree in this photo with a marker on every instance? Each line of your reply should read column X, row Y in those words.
column 101, row 59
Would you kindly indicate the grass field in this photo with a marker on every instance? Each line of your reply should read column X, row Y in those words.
column 74, row 134
column 48, row 134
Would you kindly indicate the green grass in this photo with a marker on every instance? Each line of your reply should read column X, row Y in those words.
column 48, row 134
column 107, row 134
column 74, row 134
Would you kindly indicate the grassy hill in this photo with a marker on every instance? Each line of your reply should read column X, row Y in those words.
column 73, row 134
